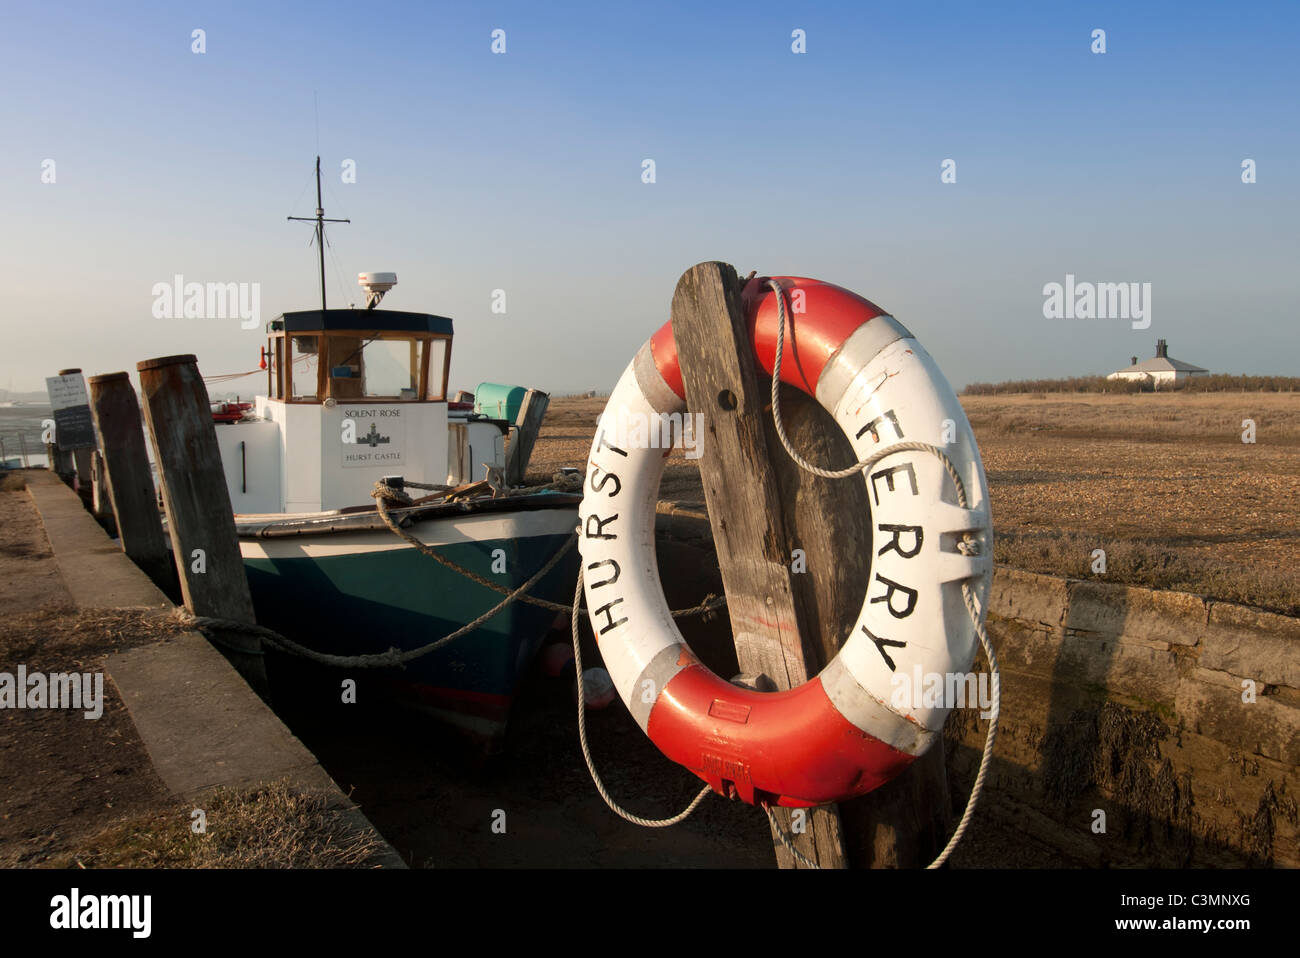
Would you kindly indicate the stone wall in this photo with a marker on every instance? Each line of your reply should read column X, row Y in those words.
column 1177, row 717
column 1136, row 703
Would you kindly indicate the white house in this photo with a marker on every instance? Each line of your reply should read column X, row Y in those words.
column 1161, row 370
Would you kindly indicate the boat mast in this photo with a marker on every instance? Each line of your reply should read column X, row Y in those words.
column 320, row 221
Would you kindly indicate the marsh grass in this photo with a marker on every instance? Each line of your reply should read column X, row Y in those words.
column 268, row 826
column 1141, row 562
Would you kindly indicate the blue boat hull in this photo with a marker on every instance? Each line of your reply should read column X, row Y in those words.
column 357, row 593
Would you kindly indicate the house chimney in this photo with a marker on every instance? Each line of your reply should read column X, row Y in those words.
column 1162, row 349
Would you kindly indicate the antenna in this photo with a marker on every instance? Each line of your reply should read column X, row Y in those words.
column 320, row 221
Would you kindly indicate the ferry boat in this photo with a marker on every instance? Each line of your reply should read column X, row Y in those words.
column 358, row 396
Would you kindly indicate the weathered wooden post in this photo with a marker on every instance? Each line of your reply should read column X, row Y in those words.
column 129, row 479
column 528, row 424
column 58, row 460
column 745, row 508
column 762, row 506
column 200, row 519
column 101, row 502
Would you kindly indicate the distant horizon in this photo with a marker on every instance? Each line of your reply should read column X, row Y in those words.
column 41, row 398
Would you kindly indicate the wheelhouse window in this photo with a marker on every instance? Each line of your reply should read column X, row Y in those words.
column 437, row 364
column 375, row 366
column 358, row 365
column 304, row 367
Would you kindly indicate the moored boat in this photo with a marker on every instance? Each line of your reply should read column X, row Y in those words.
column 355, row 398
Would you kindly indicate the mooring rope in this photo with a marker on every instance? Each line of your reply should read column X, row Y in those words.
column 968, row 546
column 392, row 658
column 211, row 626
column 586, row 751
column 383, row 494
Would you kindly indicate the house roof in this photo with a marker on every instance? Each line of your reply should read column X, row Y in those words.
column 1162, row 364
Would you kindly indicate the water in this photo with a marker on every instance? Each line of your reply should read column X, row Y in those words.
column 20, row 429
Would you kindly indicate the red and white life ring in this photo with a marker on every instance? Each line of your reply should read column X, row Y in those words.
column 840, row 734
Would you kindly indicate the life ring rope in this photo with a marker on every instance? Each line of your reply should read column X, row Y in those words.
column 586, row 751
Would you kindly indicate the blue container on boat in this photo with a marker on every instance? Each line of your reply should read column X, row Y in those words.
column 498, row 401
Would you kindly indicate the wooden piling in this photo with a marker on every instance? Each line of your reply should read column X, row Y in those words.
column 200, row 519
column 101, row 501
column 83, row 466
column 59, row 461
column 128, row 477
column 528, row 424
column 745, row 509
column 762, row 507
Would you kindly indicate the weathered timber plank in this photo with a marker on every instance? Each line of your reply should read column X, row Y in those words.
column 746, row 508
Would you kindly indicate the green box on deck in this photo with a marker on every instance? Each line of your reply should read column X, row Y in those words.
column 498, row 401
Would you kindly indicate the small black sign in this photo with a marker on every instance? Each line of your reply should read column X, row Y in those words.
column 73, row 428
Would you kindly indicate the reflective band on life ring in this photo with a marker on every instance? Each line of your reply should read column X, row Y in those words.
column 849, row 729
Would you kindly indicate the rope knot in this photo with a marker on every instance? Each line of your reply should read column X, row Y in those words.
column 384, row 491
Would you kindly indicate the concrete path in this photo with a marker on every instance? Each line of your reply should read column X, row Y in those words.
column 201, row 723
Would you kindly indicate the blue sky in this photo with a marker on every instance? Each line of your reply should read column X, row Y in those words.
column 522, row 172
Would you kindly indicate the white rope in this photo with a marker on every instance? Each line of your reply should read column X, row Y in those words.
column 586, row 752
column 393, row 658
column 384, row 493
column 785, row 840
column 968, row 546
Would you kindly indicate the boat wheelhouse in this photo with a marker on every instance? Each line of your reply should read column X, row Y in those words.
column 354, row 395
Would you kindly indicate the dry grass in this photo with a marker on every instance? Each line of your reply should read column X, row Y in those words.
column 63, row 637
column 1215, row 383
column 269, row 826
column 1161, row 481
column 1150, row 564
column 13, row 482
column 1212, row 418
